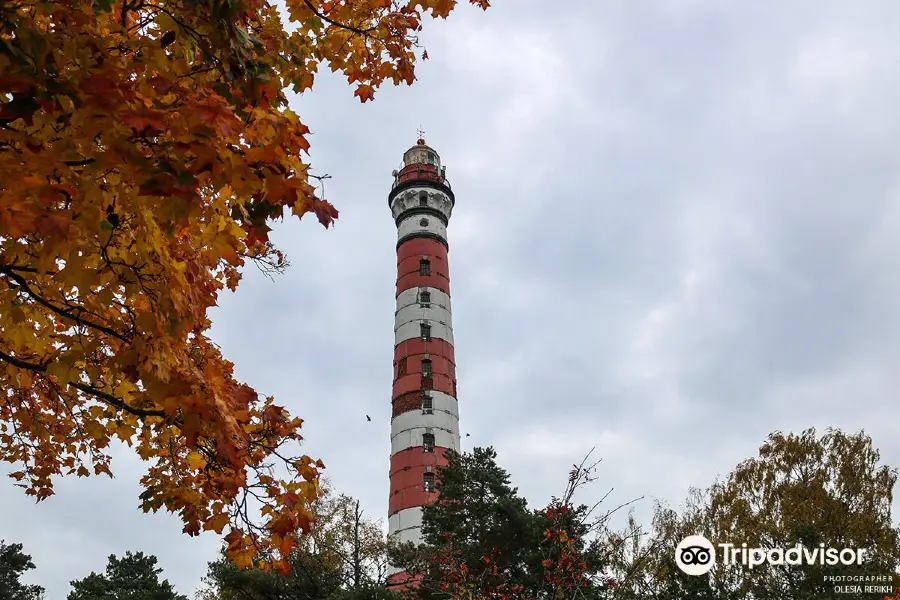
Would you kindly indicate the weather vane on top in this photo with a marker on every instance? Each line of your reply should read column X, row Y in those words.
column 420, row 133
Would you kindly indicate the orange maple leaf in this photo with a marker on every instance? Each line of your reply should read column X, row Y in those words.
column 364, row 92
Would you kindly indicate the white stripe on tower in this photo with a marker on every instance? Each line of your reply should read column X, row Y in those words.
column 425, row 411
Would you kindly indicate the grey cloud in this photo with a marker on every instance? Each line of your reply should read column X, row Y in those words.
column 676, row 228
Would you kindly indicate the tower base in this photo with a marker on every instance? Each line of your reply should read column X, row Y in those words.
column 403, row 583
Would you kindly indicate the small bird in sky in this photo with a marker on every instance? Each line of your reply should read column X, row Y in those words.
column 368, row 418
column 468, row 434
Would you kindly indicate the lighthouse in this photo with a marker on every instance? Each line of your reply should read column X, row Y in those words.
column 424, row 408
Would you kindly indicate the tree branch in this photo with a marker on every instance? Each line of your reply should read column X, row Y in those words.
column 23, row 284
column 112, row 400
column 21, row 363
column 87, row 389
column 364, row 33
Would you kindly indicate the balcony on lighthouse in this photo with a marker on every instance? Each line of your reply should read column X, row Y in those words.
column 421, row 162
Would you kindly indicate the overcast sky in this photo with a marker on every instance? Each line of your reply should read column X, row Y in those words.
column 677, row 229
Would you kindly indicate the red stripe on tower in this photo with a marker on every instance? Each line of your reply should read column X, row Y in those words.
column 424, row 409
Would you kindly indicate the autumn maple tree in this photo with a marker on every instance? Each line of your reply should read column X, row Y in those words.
column 144, row 147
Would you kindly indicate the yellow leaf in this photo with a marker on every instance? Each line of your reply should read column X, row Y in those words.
column 196, row 461
column 216, row 523
column 243, row 559
column 95, row 430
column 147, row 322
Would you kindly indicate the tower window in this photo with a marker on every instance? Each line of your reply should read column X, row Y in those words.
column 425, row 298
column 401, row 367
column 423, row 199
column 423, row 223
column 432, row 159
column 425, row 331
column 424, row 267
column 428, row 482
column 427, row 404
column 428, row 442
column 426, row 368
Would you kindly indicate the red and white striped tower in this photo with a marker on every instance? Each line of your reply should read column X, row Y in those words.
column 425, row 413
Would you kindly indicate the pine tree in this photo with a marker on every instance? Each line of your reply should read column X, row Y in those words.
column 479, row 510
column 13, row 563
column 481, row 540
column 133, row 577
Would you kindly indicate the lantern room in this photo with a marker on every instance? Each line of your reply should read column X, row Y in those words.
column 421, row 162
column 421, row 154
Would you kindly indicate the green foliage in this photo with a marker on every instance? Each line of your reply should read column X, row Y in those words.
column 13, row 563
column 133, row 577
column 479, row 510
column 367, row 592
column 310, row 578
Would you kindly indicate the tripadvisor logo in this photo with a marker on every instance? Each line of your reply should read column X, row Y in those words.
column 696, row 555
